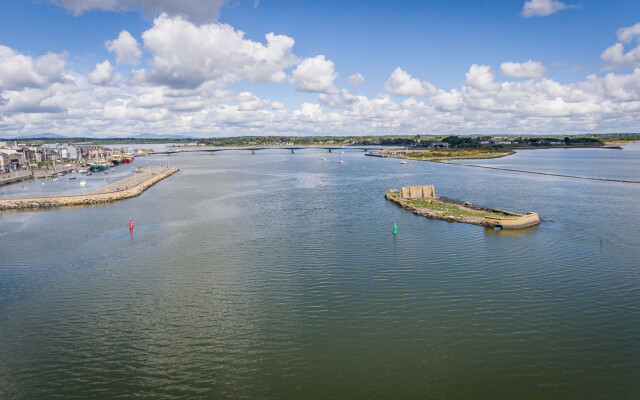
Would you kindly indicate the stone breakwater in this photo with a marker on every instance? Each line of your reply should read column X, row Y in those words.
column 155, row 176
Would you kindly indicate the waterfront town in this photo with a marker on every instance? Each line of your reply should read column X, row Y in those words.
column 16, row 156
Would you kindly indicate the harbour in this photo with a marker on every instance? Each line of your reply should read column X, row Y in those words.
column 135, row 185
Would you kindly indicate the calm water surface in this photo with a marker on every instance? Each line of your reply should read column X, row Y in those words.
column 276, row 275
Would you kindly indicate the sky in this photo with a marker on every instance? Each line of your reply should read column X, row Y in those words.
column 220, row 68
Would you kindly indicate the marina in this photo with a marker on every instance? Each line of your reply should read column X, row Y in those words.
column 132, row 186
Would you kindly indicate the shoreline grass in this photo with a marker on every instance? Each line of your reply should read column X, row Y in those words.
column 450, row 209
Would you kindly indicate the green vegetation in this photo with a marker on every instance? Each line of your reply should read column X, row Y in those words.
column 453, row 210
column 458, row 153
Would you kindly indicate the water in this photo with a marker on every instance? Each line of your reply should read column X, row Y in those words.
column 277, row 275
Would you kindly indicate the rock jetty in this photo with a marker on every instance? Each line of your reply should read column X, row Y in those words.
column 114, row 192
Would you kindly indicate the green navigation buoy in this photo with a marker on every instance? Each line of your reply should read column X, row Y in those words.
column 395, row 228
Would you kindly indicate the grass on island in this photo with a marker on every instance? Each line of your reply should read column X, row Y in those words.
column 454, row 210
column 456, row 153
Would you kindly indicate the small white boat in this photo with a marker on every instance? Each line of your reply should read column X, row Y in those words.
column 340, row 161
column 54, row 180
column 23, row 188
column 324, row 159
column 404, row 162
column 83, row 183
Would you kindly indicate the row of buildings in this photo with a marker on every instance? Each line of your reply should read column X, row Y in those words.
column 16, row 156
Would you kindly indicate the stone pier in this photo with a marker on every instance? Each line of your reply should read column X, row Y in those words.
column 126, row 188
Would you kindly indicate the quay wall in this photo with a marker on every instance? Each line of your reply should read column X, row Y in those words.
column 84, row 199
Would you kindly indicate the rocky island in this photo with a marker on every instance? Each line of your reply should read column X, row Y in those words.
column 423, row 201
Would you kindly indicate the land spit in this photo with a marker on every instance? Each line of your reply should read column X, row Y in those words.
column 421, row 200
column 123, row 189
column 438, row 155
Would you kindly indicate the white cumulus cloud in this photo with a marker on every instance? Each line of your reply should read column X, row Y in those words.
column 480, row 77
column 401, row 83
column 126, row 49
column 615, row 56
column 185, row 55
column 626, row 34
column 314, row 75
column 19, row 71
column 543, row 8
column 528, row 69
column 103, row 75
column 356, row 79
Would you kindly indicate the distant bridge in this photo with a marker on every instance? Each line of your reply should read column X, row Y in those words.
column 330, row 149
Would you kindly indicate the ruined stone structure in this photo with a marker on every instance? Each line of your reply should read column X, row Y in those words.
column 418, row 192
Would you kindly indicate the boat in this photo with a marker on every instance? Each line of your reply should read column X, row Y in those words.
column 54, row 180
column 128, row 158
column 404, row 162
column 324, row 158
column 42, row 183
column 116, row 159
column 100, row 165
column 23, row 188
column 73, row 177
column 113, row 170
column 340, row 161
column 83, row 183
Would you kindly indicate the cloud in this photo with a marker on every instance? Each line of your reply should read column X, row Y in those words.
column 543, row 8
column 356, row 79
column 19, row 71
column 185, row 55
column 185, row 89
column 615, row 56
column 249, row 102
column 198, row 11
column 480, row 77
column 402, row 84
column 626, row 34
column 126, row 49
column 103, row 75
column 529, row 69
column 314, row 75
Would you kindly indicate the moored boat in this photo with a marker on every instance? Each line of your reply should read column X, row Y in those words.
column 116, row 159
column 99, row 166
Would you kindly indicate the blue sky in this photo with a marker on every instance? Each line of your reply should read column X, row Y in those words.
column 206, row 68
